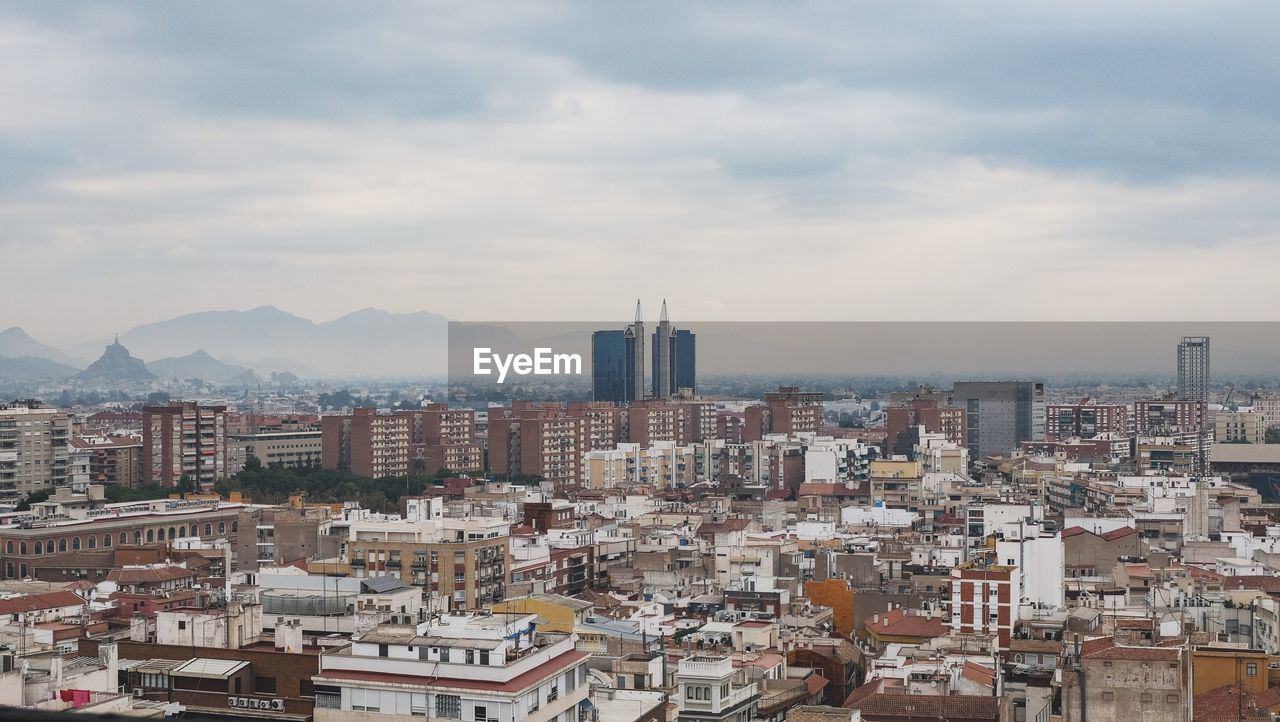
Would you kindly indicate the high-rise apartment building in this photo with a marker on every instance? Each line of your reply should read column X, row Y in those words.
column 537, row 439
column 367, row 443
column 684, row 421
column 34, row 449
column 1193, row 368
column 444, row 438
column 785, row 411
column 113, row 459
column 1000, row 415
column 935, row 418
column 1161, row 417
column 1085, row 420
column 603, row 423
column 184, row 439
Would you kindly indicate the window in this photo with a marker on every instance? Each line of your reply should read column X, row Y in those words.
column 22, row 547
column 75, row 544
column 264, row 685
column 1251, row 669
column 182, row 624
column 383, row 650
column 8, row 547
column 481, row 714
column 124, row 537
column 106, row 540
column 484, row 656
column 365, row 700
column 471, row 656
column 449, row 706
column 151, row 535
column 688, row 692
column 1146, row 697
column 62, row 546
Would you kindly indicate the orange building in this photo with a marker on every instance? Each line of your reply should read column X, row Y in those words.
column 834, row 593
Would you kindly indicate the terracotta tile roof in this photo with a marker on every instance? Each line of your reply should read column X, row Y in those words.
column 971, row 708
column 150, row 575
column 861, row 693
column 1270, row 585
column 897, row 623
column 815, row 683
column 38, row 602
column 1106, row 648
column 1120, row 533
column 1073, row 531
column 1224, row 704
column 977, row 673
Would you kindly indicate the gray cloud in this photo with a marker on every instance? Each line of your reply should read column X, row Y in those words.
column 326, row 157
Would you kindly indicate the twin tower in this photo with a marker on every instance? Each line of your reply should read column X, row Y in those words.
column 618, row 361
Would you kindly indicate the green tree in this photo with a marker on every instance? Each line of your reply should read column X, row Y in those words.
column 34, row 497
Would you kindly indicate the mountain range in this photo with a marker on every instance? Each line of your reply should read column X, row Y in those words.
column 222, row 346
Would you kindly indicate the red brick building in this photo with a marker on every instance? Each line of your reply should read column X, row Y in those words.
column 922, row 412
column 785, row 411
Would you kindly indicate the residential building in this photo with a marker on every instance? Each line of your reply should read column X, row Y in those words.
column 1193, row 368
column 785, row 411
column 444, row 438
column 936, row 419
column 35, row 451
column 709, row 688
column 466, row 561
column 184, row 440
column 1239, row 427
column 1085, row 420
column 479, row 666
column 366, row 443
column 1117, row 681
column 113, row 459
column 538, row 440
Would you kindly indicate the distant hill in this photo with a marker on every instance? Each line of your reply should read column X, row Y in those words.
column 15, row 343
column 369, row 342
column 116, row 365
column 199, row 365
column 33, row 369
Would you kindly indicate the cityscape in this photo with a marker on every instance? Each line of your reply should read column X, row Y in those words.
column 560, row 361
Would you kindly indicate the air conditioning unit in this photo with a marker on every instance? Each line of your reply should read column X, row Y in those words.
column 138, row 692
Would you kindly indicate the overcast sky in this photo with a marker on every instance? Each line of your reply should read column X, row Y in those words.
column 543, row 161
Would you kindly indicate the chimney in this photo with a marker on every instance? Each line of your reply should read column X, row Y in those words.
column 109, row 656
column 288, row 637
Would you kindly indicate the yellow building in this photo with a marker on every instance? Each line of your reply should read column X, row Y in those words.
column 1221, row 664
column 556, row 613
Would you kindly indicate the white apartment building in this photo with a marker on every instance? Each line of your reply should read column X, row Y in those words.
column 480, row 667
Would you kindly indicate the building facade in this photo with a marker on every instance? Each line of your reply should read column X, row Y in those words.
column 35, row 451
column 184, row 440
